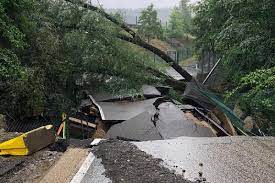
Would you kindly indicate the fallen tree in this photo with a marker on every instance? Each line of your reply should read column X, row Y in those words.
column 194, row 90
column 135, row 39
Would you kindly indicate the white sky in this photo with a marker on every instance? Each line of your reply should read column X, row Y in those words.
column 135, row 4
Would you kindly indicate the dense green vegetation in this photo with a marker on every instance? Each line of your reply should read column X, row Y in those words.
column 180, row 21
column 50, row 51
column 149, row 24
column 242, row 33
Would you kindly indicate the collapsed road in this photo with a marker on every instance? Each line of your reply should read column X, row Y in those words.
column 216, row 160
column 152, row 138
column 160, row 140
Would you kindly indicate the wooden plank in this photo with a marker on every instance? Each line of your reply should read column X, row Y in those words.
column 82, row 122
column 76, row 125
column 60, row 129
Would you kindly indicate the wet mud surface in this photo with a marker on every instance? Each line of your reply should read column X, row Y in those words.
column 124, row 162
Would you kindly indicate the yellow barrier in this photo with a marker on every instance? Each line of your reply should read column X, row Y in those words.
column 29, row 142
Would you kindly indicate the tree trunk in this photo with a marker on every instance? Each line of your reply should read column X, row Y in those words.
column 137, row 40
column 160, row 53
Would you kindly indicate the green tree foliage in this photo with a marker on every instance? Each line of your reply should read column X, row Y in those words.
column 186, row 13
column 176, row 26
column 242, row 33
column 180, row 21
column 53, row 50
column 13, row 23
column 256, row 93
column 149, row 24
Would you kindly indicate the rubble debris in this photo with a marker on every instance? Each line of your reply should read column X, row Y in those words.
column 131, row 120
column 80, row 143
column 225, row 121
column 150, row 92
column 87, row 109
column 101, row 129
column 83, row 123
column 60, row 145
column 216, row 123
column 29, row 142
column 189, row 115
column 138, row 128
column 95, row 142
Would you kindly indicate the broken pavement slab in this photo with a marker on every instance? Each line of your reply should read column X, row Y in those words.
column 172, row 123
column 150, row 91
column 166, row 122
column 139, row 128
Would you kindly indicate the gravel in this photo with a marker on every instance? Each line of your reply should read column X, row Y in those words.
column 27, row 169
column 124, row 163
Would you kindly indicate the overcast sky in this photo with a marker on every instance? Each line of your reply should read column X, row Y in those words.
column 135, row 4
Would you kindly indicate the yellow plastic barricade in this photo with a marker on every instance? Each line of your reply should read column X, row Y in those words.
column 29, row 142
